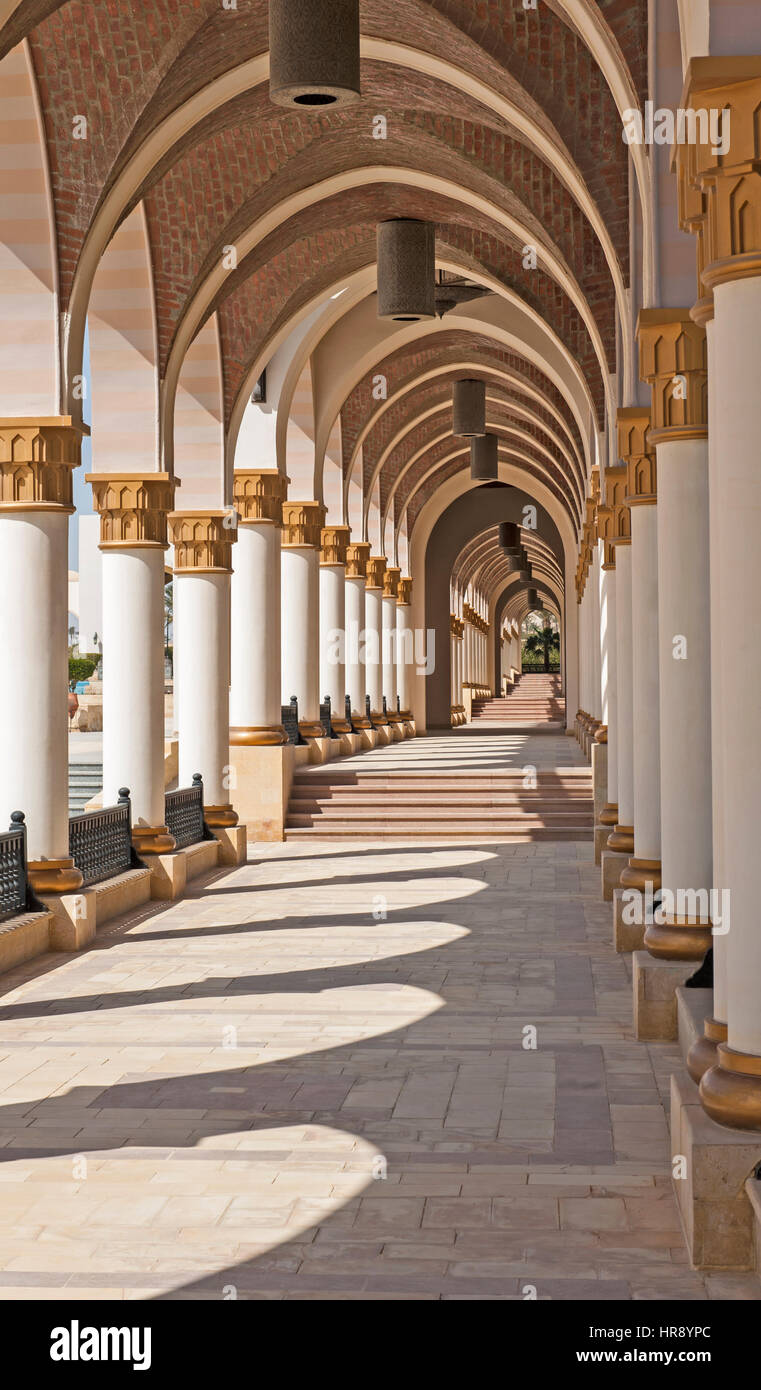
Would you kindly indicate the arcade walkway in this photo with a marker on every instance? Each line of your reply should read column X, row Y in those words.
column 307, row 1080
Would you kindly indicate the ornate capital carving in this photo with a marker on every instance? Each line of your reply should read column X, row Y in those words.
column 727, row 173
column 616, row 516
column 357, row 555
column 203, row 541
column 133, row 508
column 405, row 591
column 37, row 460
column 673, row 358
column 633, row 424
column 302, row 524
column 259, row 493
column 376, row 569
column 334, row 542
column 391, row 581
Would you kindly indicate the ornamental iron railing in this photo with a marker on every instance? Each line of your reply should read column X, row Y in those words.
column 289, row 718
column 100, row 842
column 326, row 717
column 14, row 883
column 183, row 814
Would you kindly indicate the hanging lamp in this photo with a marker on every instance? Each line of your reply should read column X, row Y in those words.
column 406, row 270
column 484, row 462
column 314, row 53
column 469, row 408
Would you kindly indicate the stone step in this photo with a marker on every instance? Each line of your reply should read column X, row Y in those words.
column 454, row 830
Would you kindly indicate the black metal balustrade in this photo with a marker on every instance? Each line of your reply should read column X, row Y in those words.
column 326, row 718
column 347, row 709
column 100, row 842
column 183, row 814
column 289, row 718
column 368, row 709
column 14, row 884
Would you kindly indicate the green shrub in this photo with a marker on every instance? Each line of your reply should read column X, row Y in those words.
column 81, row 668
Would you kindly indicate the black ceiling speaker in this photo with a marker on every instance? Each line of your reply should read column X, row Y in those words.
column 453, row 290
column 469, row 408
column 484, row 463
column 406, row 270
column 314, row 53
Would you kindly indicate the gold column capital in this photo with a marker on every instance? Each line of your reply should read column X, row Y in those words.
column 259, row 493
column 633, row 425
column 334, row 541
column 727, row 174
column 302, row 524
column 391, row 581
column 405, row 591
column 357, row 556
column 614, row 516
column 203, row 540
column 37, row 462
column 376, row 569
column 133, row 508
column 673, row 358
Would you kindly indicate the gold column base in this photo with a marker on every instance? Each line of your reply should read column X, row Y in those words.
column 360, row 721
column 152, row 839
column 602, row 734
column 56, row 876
column 258, row 736
column 678, row 938
column 622, row 839
column 341, row 726
column 639, row 872
column 311, row 728
column 220, row 817
column 703, row 1054
column 609, row 814
column 379, row 719
column 730, row 1091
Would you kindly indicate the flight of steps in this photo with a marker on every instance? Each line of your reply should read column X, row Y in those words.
column 534, row 699
column 328, row 803
column 85, row 781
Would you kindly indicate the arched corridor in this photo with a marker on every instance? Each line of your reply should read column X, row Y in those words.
column 379, row 575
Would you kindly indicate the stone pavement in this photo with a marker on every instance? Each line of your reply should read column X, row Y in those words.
column 308, row 1080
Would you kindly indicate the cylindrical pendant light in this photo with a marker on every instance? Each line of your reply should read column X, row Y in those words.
column 469, row 408
column 532, row 599
column 484, row 463
column 314, row 52
column 406, row 270
column 509, row 536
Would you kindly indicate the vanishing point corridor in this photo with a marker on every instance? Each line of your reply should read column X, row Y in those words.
column 308, row 1079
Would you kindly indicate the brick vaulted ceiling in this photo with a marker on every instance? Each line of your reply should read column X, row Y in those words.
column 130, row 67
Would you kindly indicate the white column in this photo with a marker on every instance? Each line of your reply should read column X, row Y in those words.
column 645, row 865
column 356, row 569
column 405, row 647
column 623, row 836
column 255, row 668
column 716, row 484
column 34, row 770
column 333, row 622
column 300, row 631
column 376, row 567
column 685, row 689
column 388, row 649
column 203, row 554
column 731, row 1091
column 608, row 680
column 133, row 688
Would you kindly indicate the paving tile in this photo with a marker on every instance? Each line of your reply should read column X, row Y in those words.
column 265, row 1086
